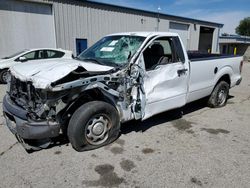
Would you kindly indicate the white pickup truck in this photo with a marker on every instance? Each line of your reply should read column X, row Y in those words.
column 122, row 77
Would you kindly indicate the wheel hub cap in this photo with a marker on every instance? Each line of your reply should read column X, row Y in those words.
column 97, row 130
column 222, row 96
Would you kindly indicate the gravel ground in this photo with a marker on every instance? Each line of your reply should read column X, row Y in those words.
column 202, row 148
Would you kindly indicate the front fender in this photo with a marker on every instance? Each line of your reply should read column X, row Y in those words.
column 7, row 65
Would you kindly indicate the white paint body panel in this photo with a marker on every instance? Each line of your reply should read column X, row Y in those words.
column 43, row 73
column 203, row 78
column 165, row 89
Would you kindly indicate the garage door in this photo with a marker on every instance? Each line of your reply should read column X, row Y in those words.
column 25, row 25
column 182, row 30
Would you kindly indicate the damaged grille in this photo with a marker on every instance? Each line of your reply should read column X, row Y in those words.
column 22, row 93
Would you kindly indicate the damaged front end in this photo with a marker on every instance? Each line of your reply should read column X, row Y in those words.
column 29, row 116
column 43, row 96
column 36, row 115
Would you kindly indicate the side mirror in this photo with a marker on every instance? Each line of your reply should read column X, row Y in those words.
column 23, row 59
column 134, row 71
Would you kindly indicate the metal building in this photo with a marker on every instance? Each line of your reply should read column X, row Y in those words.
column 235, row 44
column 76, row 24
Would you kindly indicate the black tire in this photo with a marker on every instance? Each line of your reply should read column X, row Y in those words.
column 219, row 96
column 93, row 120
column 3, row 76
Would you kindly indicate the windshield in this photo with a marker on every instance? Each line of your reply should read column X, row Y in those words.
column 113, row 50
column 15, row 54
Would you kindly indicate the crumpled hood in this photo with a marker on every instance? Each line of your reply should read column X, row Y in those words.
column 43, row 72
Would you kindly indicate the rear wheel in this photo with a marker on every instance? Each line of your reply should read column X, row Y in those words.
column 93, row 125
column 4, row 76
column 219, row 96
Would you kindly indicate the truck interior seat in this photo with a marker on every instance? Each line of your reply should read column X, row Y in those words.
column 152, row 55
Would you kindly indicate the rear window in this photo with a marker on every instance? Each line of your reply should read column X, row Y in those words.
column 54, row 54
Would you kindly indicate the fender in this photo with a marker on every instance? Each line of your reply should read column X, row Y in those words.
column 226, row 70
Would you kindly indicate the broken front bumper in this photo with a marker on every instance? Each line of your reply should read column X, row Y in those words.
column 19, row 125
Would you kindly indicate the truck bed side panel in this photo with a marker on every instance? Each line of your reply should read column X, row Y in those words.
column 203, row 75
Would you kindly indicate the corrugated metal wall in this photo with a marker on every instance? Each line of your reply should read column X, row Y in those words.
column 25, row 25
column 83, row 20
column 76, row 19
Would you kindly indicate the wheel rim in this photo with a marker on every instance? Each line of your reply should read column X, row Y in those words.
column 5, row 76
column 97, row 130
column 222, row 96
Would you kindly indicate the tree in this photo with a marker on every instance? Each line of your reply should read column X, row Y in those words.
column 244, row 27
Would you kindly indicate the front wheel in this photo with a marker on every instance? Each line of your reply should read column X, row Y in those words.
column 219, row 96
column 93, row 125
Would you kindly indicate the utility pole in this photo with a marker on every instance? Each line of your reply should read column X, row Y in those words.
column 158, row 18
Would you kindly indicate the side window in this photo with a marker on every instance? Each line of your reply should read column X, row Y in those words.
column 166, row 46
column 164, row 50
column 54, row 54
column 40, row 54
column 30, row 55
column 159, row 52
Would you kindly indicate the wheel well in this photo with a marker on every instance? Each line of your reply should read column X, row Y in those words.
column 87, row 96
column 225, row 78
column 4, row 69
column 92, row 95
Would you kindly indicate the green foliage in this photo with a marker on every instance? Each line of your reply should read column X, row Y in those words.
column 244, row 27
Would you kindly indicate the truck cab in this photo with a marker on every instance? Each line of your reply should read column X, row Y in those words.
column 165, row 65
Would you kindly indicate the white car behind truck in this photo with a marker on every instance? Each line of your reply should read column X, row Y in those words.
column 30, row 55
column 122, row 77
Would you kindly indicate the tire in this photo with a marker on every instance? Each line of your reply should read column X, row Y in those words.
column 3, row 76
column 219, row 96
column 93, row 125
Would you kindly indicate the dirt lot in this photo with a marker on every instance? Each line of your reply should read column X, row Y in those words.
column 205, row 147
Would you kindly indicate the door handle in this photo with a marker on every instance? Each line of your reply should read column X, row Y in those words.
column 181, row 71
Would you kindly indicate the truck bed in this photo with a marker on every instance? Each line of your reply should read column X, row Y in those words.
column 207, row 69
column 199, row 56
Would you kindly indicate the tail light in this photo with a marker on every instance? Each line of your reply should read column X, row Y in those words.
column 241, row 65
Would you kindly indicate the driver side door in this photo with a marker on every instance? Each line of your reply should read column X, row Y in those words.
column 166, row 76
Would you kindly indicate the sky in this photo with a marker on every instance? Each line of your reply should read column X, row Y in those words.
column 227, row 12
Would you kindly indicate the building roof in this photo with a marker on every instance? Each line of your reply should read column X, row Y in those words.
column 234, row 39
column 146, row 33
column 154, row 13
